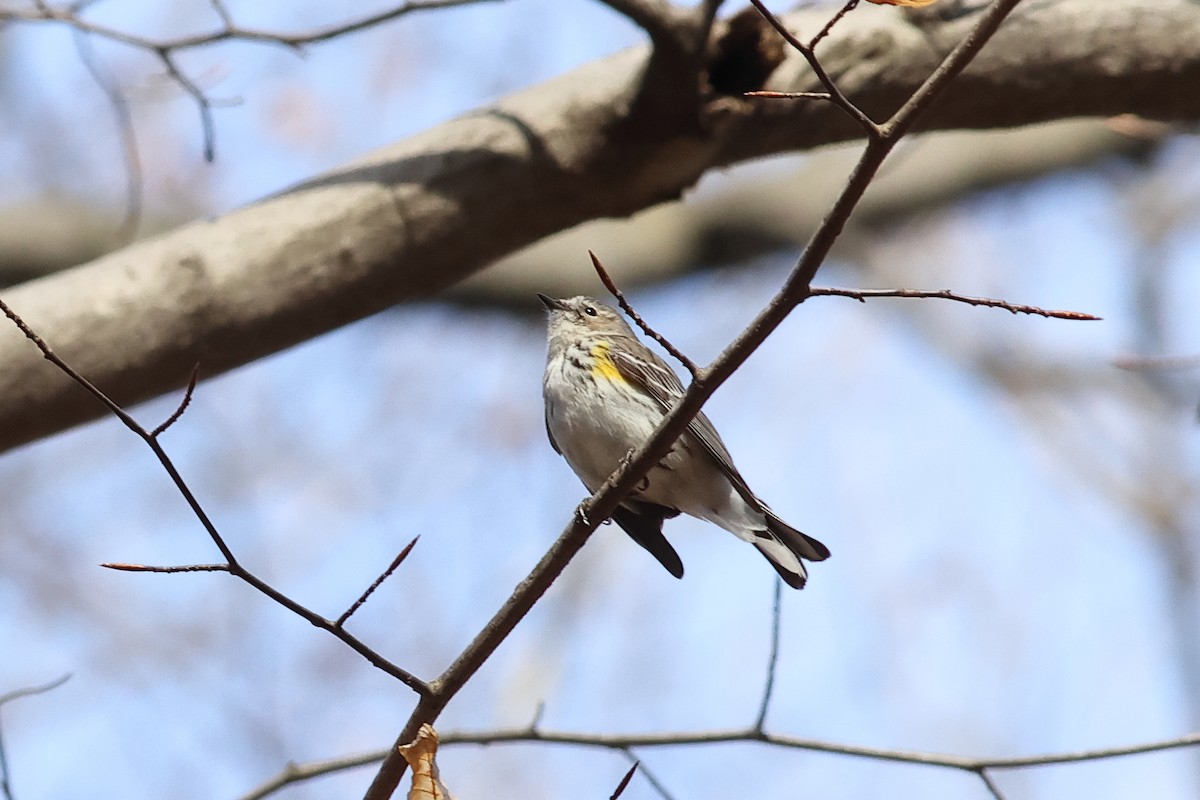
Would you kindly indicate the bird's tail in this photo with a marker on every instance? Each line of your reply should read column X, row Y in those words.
column 784, row 546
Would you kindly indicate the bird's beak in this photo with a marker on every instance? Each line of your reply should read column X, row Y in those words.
column 550, row 303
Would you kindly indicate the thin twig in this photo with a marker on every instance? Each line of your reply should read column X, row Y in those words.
column 396, row 562
column 123, row 567
column 29, row 691
column 1167, row 363
column 222, row 14
column 232, row 566
column 835, row 94
column 129, row 423
column 123, row 117
column 990, row 784
column 298, row 773
column 624, row 782
column 675, row 739
column 846, row 9
column 165, row 49
column 652, row 779
column 611, row 285
column 773, row 658
column 862, row 295
column 626, row 743
column 538, row 713
column 789, row 95
column 183, row 404
column 229, row 32
column 207, row 127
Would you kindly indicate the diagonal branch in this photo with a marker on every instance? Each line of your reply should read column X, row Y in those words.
column 604, row 501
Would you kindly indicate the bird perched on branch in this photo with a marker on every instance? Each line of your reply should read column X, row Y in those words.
column 605, row 394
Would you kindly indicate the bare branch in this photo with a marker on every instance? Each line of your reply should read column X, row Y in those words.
column 992, row 788
column 5, row 780
column 123, row 118
column 652, row 779
column 835, row 94
column 123, row 567
column 165, row 49
column 862, row 295
column 625, row 743
column 396, row 562
column 183, row 404
column 1139, row 363
column 298, row 773
column 969, row 764
column 821, row 34
column 232, row 566
column 44, row 13
column 791, row 95
column 611, row 285
column 772, row 659
column 222, row 14
column 207, row 127
column 624, row 782
column 31, row 691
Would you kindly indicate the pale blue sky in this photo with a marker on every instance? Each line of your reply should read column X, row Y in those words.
column 981, row 599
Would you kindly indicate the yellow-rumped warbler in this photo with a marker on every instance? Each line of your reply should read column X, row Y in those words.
column 605, row 393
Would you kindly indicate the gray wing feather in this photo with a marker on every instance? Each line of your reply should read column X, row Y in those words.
column 660, row 382
column 550, row 435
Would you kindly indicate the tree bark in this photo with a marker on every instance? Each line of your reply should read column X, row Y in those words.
column 608, row 139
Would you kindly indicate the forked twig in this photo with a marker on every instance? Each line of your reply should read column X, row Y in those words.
column 232, row 565
column 805, row 49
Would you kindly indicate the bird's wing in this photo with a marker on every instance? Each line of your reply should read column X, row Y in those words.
column 549, row 434
column 641, row 367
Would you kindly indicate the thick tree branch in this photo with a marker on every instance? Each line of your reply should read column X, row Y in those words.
column 415, row 217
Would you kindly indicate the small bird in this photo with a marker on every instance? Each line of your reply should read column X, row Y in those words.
column 605, row 394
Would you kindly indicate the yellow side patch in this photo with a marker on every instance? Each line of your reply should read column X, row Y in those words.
column 604, row 366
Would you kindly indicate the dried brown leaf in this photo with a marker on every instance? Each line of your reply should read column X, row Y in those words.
column 420, row 753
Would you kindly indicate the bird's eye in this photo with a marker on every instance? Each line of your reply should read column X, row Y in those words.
column 591, row 312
